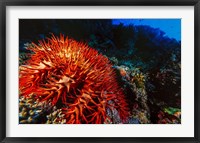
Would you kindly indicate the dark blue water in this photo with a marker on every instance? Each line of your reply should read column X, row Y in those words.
column 171, row 27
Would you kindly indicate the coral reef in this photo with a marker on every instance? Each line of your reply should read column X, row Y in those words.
column 134, row 83
column 75, row 77
column 32, row 111
column 128, row 82
column 169, row 116
column 56, row 117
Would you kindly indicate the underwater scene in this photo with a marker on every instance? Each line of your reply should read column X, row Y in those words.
column 99, row 71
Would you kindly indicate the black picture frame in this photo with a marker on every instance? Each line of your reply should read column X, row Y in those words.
column 5, row 3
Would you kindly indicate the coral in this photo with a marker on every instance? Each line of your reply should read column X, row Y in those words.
column 32, row 111
column 22, row 58
column 137, row 82
column 141, row 115
column 114, row 60
column 138, row 78
column 75, row 77
column 169, row 116
column 123, row 71
column 134, row 84
column 56, row 117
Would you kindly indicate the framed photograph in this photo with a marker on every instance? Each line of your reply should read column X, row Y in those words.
column 99, row 71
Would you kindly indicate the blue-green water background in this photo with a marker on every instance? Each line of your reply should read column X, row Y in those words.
column 171, row 27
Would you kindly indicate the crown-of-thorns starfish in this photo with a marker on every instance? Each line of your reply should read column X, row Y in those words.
column 74, row 77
